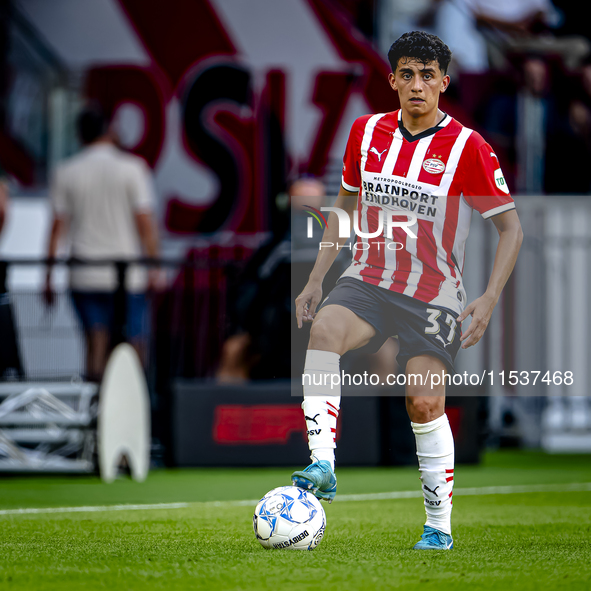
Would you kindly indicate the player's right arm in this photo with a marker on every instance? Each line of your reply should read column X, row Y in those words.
column 142, row 200
column 308, row 300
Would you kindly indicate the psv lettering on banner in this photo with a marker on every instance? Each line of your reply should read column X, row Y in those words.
column 221, row 114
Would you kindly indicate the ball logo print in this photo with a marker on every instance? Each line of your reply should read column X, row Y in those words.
column 318, row 537
column 289, row 517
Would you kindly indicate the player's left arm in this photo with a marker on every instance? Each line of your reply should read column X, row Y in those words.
column 485, row 189
column 59, row 227
column 481, row 309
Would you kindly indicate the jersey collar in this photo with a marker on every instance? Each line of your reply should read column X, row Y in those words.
column 413, row 138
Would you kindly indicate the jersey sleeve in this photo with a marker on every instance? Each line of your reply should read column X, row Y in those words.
column 141, row 191
column 484, row 186
column 351, row 179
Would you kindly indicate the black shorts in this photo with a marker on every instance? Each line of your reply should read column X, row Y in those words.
column 421, row 328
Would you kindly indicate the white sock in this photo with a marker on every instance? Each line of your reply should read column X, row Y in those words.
column 322, row 401
column 435, row 450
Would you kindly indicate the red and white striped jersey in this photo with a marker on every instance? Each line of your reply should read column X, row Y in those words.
column 440, row 175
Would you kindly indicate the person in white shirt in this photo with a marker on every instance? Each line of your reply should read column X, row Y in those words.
column 102, row 199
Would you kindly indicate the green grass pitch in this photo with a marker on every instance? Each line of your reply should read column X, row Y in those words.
column 529, row 540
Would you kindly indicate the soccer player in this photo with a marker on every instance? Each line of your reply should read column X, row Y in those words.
column 415, row 160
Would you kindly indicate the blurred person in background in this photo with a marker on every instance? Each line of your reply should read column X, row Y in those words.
column 401, row 16
column 535, row 108
column 524, row 26
column 103, row 201
column 515, row 19
column 456, row 22
column 483, row 33
column 569, row 146
column 453, row 20
column 261, row 309
column 520, row 122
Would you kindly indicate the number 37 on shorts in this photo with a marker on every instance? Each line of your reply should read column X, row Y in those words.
column 441, row 325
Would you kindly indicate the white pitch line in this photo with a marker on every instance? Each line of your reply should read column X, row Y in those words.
column 403, row 494
column 96, row 509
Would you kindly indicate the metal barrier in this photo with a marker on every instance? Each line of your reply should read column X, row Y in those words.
column 43, row 352
column 47, row 427
column 187, row 320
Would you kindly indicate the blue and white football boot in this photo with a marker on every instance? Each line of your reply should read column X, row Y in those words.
column 319, row 478
column 433, row 539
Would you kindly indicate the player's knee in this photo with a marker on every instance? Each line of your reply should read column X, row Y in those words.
column 326, row 335
column 424, row 409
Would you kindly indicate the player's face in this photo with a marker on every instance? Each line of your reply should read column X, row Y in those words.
column 418, row 85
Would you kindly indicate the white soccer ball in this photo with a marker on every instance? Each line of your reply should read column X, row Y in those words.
column 289, row 517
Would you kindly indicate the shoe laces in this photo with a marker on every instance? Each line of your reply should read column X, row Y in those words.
column 320, row 466
column 432, row 532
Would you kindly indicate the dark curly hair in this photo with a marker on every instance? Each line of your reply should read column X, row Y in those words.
column 421, row 46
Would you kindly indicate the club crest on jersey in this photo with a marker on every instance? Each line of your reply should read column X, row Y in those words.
column 434, row 166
